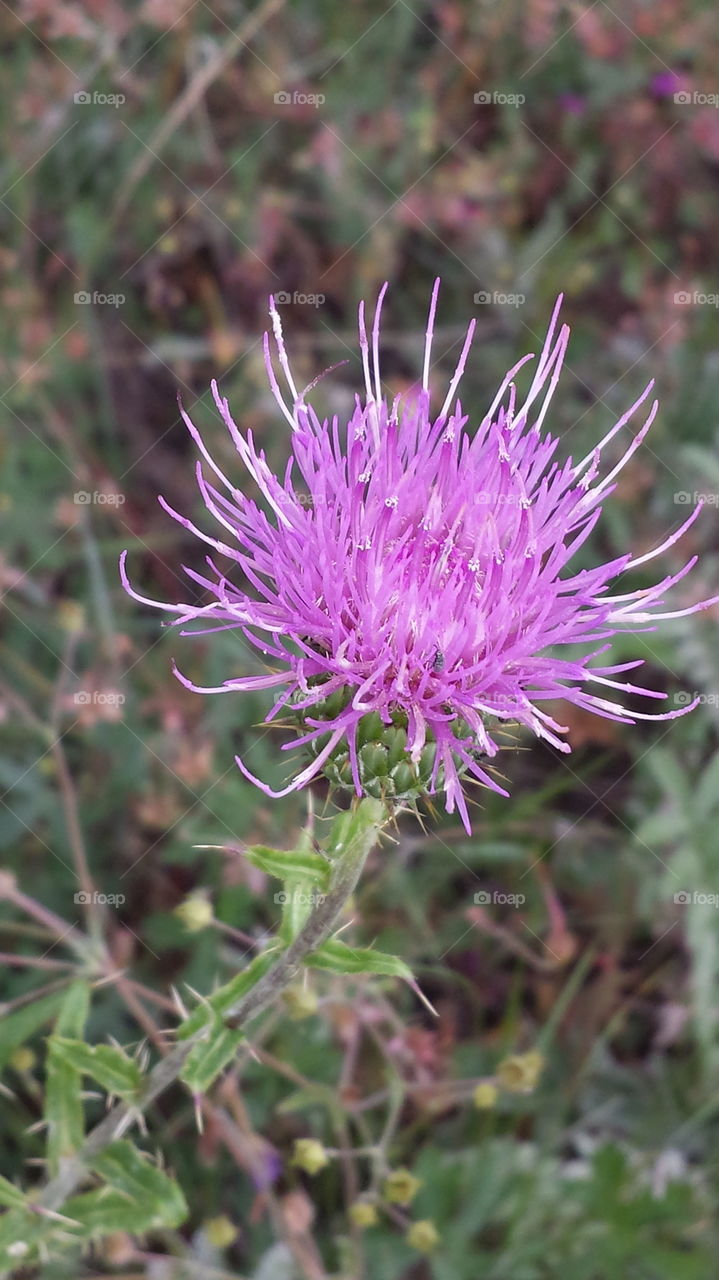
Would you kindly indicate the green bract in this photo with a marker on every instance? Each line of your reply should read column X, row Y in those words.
column 385, row 768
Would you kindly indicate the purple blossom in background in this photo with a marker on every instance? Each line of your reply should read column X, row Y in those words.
column 573, row 103
column 425, row 577
column 666, row 83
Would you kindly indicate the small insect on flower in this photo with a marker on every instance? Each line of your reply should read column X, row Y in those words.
column 413, row 594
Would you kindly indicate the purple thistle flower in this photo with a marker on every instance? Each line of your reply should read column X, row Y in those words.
column 418, row 590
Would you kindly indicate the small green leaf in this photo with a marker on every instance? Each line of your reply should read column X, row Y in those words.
column 283, row 865
column 356, row 828
column 101, row 1212
column 135, row 1185
column 109, row 1066
column 17, row 1027
column 104, row 1211
column 312, row 1096
column 63, row 1110
column 20, row 1234
column 209, row 1057
column 222, row 1000
column 74, row 1011
column 64, row 1113
column 299, row 897
column 11, row 1197
column 337, row 957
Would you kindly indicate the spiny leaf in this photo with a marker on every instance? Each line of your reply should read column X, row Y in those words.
column 283, row 865
column 17, row 1027
column 299, row 897
column 103, row 1211
column 113, row 1069
column 133, row 1181
column 209, row 1057
column 63, row 1109
column 354, row 827
column 74, row 1010
column 222, row 1000
column 338, row 957
column 63, row 1102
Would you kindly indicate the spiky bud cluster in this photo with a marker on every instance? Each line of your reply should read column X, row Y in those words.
column 386, row 769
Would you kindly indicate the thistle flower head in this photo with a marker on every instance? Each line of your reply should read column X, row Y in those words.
column 407, row 579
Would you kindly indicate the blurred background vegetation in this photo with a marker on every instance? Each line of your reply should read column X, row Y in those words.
column 166, row 166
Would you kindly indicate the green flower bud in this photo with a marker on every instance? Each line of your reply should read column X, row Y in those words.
column 520, row 1072
column 309, row 1155
column 220, row 1232
column 363, row 1214
column 485, row 1096
column 300, row 1002
column 423, row 1236
column 23, row 1060
column 195, row 912
column 401, row 1187
column 385, row 769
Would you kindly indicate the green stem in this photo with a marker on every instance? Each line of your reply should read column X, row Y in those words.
column 354, row 835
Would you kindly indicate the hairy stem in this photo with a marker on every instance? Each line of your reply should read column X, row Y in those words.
column 350, row 856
